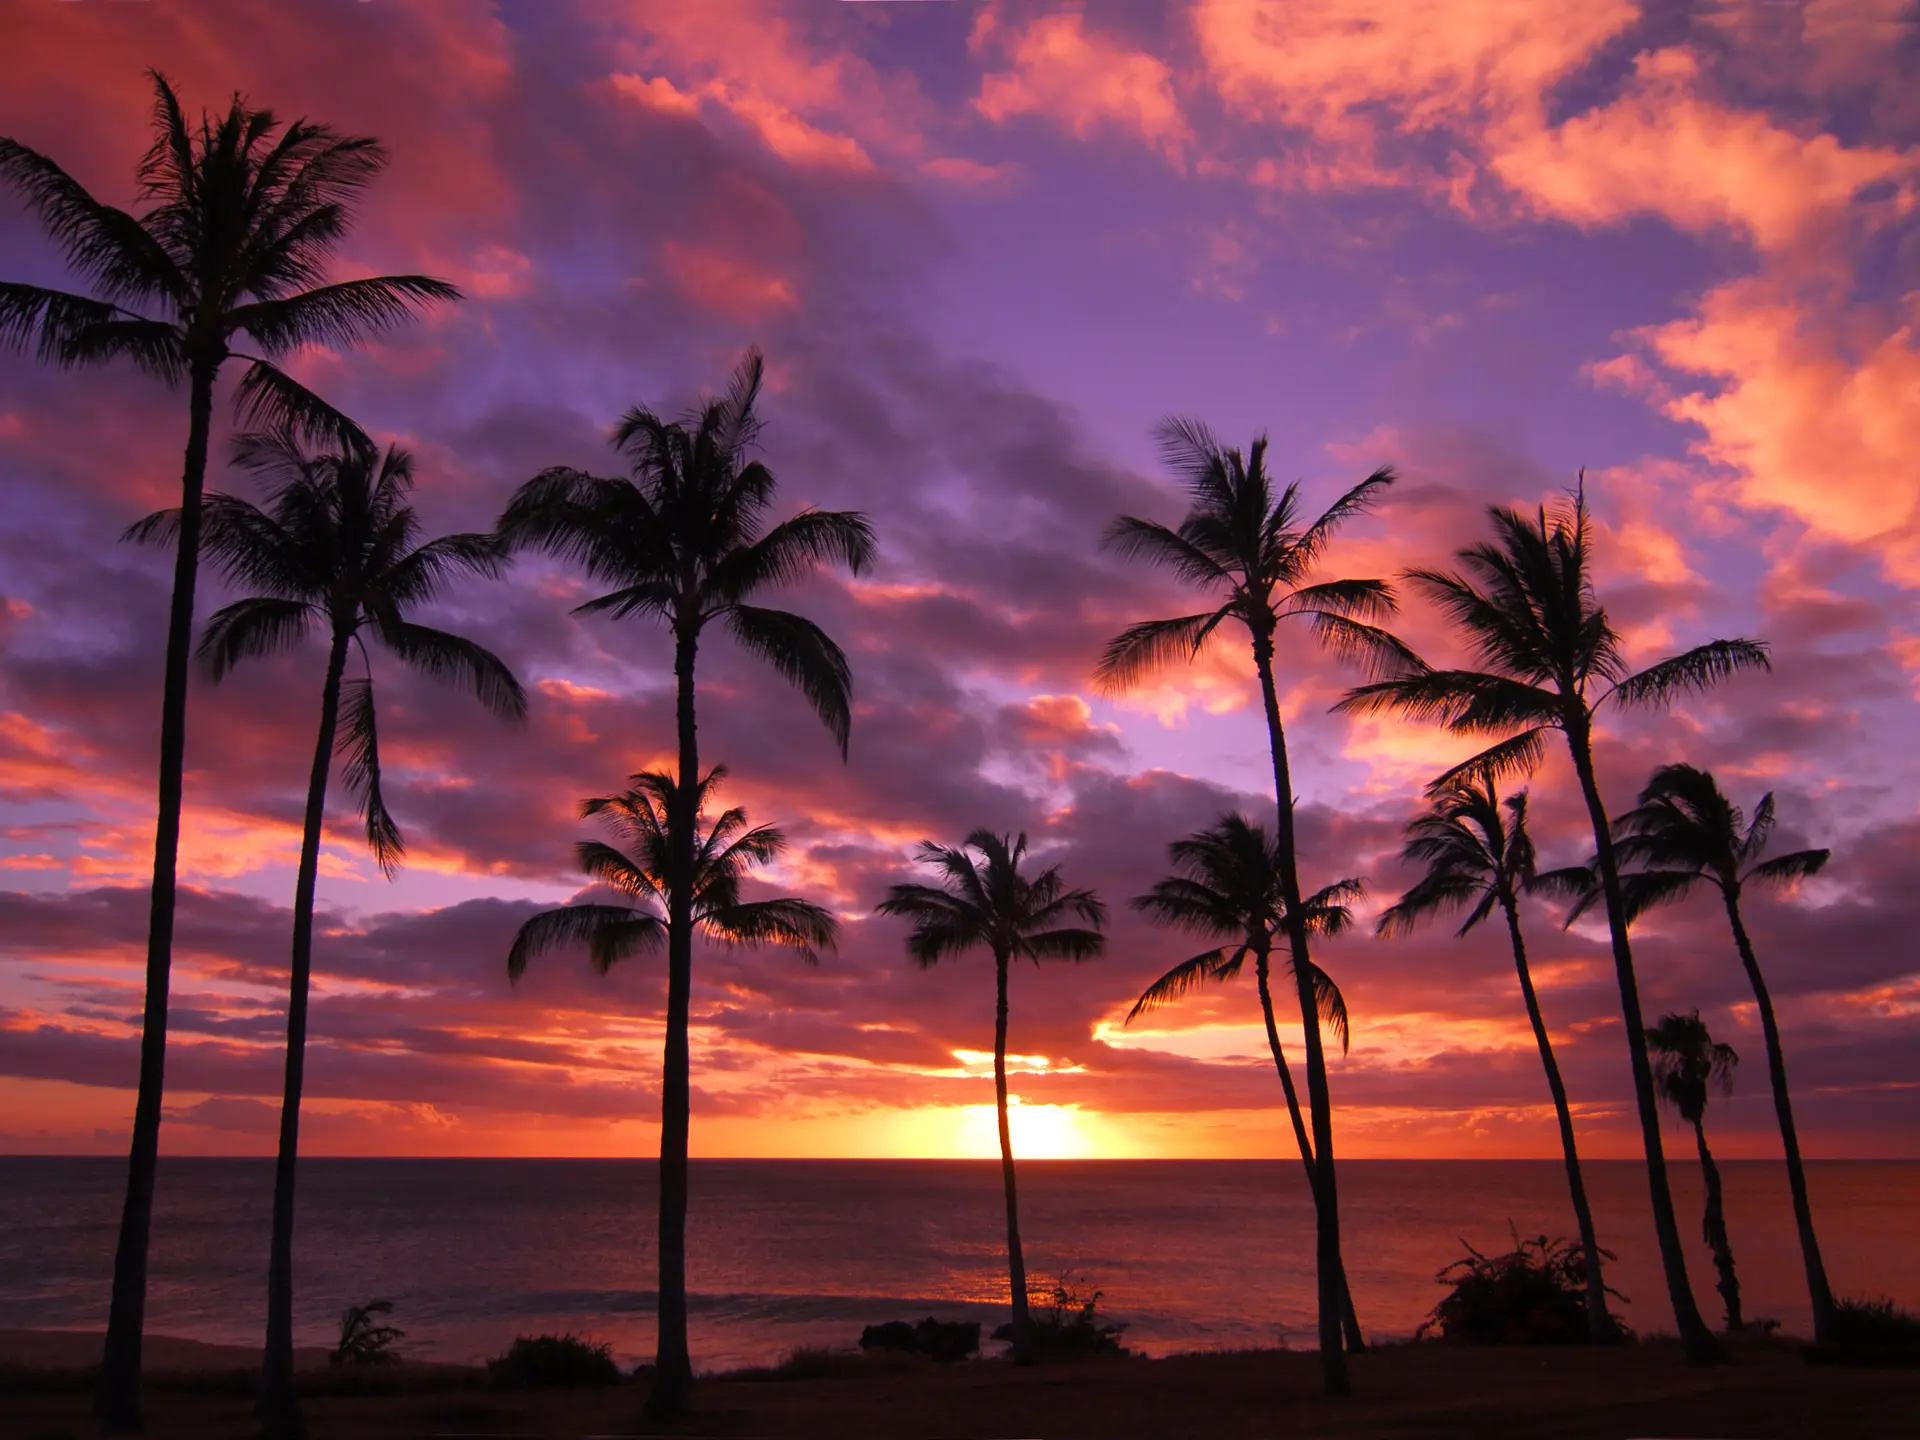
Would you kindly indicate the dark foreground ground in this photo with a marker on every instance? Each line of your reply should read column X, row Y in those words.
column 1430, row 1390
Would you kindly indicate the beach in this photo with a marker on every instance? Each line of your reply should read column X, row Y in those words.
column 1768, row 1390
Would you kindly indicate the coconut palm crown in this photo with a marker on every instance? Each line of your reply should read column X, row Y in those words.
column 1549, row 658
column 241, row 217
column 729, row 851
column 983, row 901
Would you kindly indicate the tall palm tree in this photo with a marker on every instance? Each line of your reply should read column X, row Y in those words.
column 642, row 816
column 1684, row 833
column 1550, row 660
column 685, row 541
column 1477, row 858
column 1686, row 1064
column 1227, row 885
column 242, row 216
column 987, row 903
column 1255, row 551
column 334, row 550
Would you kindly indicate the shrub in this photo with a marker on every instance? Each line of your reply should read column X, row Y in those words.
column 362, row 1341
column 1535, row 1294
column 1068, row 1327
column 943, row 1340
column 1875, row 1322
column 554, row 1362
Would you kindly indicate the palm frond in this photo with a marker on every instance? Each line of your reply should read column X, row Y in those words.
column 341, row 314
column 252, row 629
column 359, row 745
column 792, row 550
column 1135, row 539
column 1517, row 755
column 268, row 398
column 1143, row 649
column 1216, row 964
column 805, row 655
column 611, row 933
column 456, row 659
column 1786, row 869
column 1696, row 670
column 798, row 924
column 1378, row 652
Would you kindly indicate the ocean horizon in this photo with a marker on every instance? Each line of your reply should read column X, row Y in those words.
column 792, row 1253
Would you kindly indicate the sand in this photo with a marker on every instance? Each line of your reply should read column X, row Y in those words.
column 1430, row 1390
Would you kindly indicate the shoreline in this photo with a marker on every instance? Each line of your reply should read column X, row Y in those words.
column 1573, row 1393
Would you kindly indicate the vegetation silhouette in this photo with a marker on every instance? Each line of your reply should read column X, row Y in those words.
column 1228, row 885
column 335, row 550
column 1687, row 1064
column 364, row 1340
column 1479, row 856
column 1551, row 658
column 242, row 217
column 986, row 903
column 1254, row 551
column 1535, row 1294
column 1685, row 833
column 685, row 541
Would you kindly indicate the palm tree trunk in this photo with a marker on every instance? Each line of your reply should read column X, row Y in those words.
column 1713, row 1227
column 1700, row 1345
column 673, row 1365
column 1023, row 1349
column 1599, row 1323
column 1349, row 1321
column 1818, row 1291
column 1333, row 1358
column 279, row 1407
column 118, row 1400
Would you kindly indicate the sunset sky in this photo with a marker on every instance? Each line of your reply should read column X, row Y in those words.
column 985, row 247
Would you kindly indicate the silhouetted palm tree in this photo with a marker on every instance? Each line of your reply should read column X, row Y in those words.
column 1686, row 832
column 335, row 550
column 1253, row 549
column 235, row 242
column 683, row 541
column 1228, row 886
column 642, row 816
column 987, row 903
column 1686, row 1064
column 1550, row 659
column 1477, row 858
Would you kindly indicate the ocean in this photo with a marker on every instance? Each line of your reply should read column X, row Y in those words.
column 1190, row 1255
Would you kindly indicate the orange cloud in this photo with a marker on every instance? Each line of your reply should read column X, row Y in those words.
column 1060, row 70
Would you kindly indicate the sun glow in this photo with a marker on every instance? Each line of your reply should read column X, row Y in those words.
column 1040, row 1132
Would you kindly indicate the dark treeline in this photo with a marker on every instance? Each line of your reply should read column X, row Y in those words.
column 241, row 215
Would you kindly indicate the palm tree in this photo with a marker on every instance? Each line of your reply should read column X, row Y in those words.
column 1686, row 1063
column 235, row 242
column 1686, row 832
column 1228, row 886
column 1253, row 551
column 1551, row 658
column 683, row 541
column 336, row 550
column 988, row 903
column 1476, row 857
column 643, row 815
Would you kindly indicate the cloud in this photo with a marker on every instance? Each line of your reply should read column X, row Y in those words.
column 1085, row 82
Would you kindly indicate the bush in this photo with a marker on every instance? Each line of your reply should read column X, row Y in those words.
column 1535, row 1294
column 554, row 1362
column 1068, row 1328
column 943, row 1340
column 1875, row 1322
column 362, row 1342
